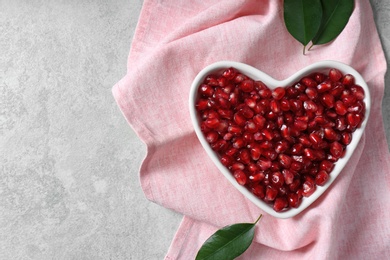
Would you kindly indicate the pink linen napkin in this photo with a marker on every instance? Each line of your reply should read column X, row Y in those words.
column 174, row 40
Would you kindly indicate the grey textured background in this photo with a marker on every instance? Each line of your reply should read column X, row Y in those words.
column 68, row 168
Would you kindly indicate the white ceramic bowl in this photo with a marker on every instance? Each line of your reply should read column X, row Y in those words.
column 256, row 74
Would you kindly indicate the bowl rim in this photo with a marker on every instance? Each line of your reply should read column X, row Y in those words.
column 256, row 74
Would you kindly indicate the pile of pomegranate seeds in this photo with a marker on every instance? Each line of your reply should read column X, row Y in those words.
column 280, row 143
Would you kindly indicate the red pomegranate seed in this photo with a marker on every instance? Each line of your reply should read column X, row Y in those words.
column 270, row 193
column 349, row 100
column 244, row 156
column 315, row 139
column 346, row 138
column 240, row 177
column 239, row 119
column 308, row 187
column 285, row 160
column 278, row 93
column 288, row 176
column 328, row 100
column 246, row 85
column 255, row 153
column 229, row 73
column 330, row 134
column 300, row 125
column 296, row 166
column 239, row 78
column 281, row 146
column 232, row 151
column 309, row 82
column 264, row 164
column 326, row 166
column 258, row 177
column 358, row 92
column 293, row 200
column 335, row 75
column 324, row 87
column 336, row 149
column 321, row 178
column 226, row 160
column 337, row 89
column 348, row 80
column 294, row 186
column 212, row 137
column 238, row 166
column 259, row 191
column 340, row 108
column 238, row 143
column 212, row 122
column 275, row 106
column 280, row 203
column 318, row 77
column 353, row 119
column 311, row 93
column 277, row 179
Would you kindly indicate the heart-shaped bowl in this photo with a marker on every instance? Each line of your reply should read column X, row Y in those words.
column 255, row 74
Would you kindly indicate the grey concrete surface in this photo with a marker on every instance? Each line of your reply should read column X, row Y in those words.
column 68, row 160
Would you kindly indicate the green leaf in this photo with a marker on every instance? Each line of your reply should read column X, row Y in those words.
column 336, row 14
column 228, row 242
column 302, row 18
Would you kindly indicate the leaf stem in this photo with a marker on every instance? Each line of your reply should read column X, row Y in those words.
column 304, row 46
column 312, row 44
column 257, row 220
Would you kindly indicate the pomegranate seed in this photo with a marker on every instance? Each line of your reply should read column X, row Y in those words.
column 358, row 92
column 296, row 166
column 294, row 186
column 353, row 119
column 277, row 179
column 238, row 142
column 270, row 193
column 308, row 187
column 259, row 191
column 349, row 100
column 346, row 138
column 240, row 177
column 258, row 177
column 281, row 146
column 340, row 108
column 337, row 89
column 328, row 100
column 246, row 85
column 315, row 139
column 309, row 82
column 321, row 178
column 293, row 200
column 285, row 160
column 275, row 106
column 238, row 166
column 348, row 80
column 255, row 153
column 244, row 156
column 239, row 119
column 300, row 125
column 212, row 122
column 280, row 203
column 324, row 87
column 226, row 160
column 318, row 77
column 229, row 73
column 330, row 134
column 311, row 93
column 326, row 166
column 278, row 93
column 335, row 75
column 212, row 137
column 264, row 164
column 336, row 149
column 288, row 176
